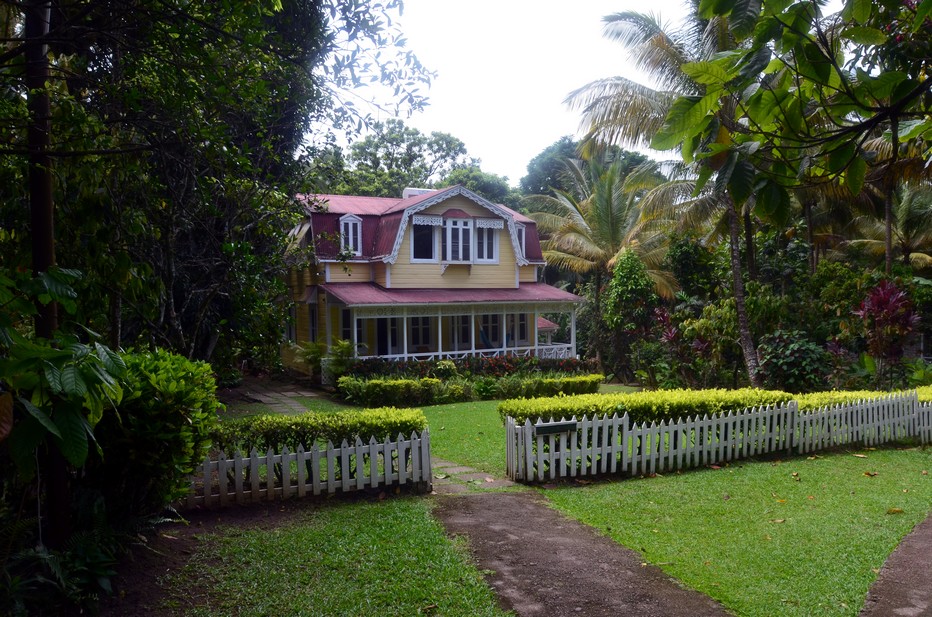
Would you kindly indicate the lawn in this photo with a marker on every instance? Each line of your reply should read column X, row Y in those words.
column 468, row 433
column 804, row 536
column 359, row 558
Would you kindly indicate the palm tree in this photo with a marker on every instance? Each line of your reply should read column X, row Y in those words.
column 910, row 231
column 620, row 111
column 588, row 226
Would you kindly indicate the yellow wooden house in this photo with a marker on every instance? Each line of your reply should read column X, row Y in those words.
column 435, row 274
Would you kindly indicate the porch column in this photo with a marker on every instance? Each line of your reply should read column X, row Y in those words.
column 404, row 332
column 573, row 332
column 503, row 332
column 355, row 326
column 440, row 335
column 472, row 330
column 536, row 334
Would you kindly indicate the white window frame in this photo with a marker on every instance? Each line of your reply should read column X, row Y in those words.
column 351, row 234
column 462, row 332
column 491, row 324
column 521, row 235
column 457, row 227
column 435, row 251
column 490, row 241
column 419, row 331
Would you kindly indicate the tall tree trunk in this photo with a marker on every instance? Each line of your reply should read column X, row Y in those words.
column 888, row 196
column 53, row 467
column 749, row 244
column 813, row 255
column 746, row 341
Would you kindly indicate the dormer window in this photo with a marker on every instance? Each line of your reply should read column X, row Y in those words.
column 457, row 240
column 351, row 235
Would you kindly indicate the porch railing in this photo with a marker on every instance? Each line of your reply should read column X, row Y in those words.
column 558, row 351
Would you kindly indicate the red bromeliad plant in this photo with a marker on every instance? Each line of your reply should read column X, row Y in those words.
column 888, row 318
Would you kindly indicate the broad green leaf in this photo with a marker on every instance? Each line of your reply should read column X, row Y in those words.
column 858, row 10
column 772, row 203
column 53, row 377
column 687, row 117
column 879, row 87
column 744, row 17
column 854, row 176
column 865, row 35
column 840, row 156
column 41, row 417
column 111, row 360
column 711, row 8
column 912, row 129
column 741, row 182
column 72, row 383
column 74, row 431
column 922, row 12
column 705, row 172
column 706, row 72
column 57, row 289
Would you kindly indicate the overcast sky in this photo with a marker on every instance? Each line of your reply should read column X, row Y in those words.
column 505, row 67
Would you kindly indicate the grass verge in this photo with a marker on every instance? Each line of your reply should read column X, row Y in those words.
column 804, row 536
column 373, row 558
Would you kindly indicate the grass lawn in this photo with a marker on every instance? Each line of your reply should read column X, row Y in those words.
column 372, row 558
column 805, row 536
column 468, row 433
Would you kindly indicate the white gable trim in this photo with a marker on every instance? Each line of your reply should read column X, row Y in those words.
column 444, row 196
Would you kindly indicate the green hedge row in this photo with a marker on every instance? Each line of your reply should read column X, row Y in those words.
column 652, row 406
column 275, row 431
column 432, row 391
column 657, row 405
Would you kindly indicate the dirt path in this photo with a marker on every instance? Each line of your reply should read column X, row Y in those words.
column 904, row 586
column 543, row 563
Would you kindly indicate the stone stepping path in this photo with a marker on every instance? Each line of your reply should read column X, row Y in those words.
column 453, row 479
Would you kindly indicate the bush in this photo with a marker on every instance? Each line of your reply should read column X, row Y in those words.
column 640, row 406
column 790, row 362
column 266, row 432
column 432, row 391
column 156, row 438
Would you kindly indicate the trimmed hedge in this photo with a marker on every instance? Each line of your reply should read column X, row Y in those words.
column 474, row 366
column 270, row 431
column 652, row 406
column 431, row 391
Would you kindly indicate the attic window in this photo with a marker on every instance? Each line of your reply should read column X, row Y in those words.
column 519, row 232
column 351, row 235
column 457, row 240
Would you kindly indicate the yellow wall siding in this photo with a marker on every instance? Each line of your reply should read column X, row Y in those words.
column 350, row 273
column 527, row 274
column 380, row 273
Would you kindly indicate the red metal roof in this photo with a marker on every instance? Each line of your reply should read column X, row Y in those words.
column 545, row 325
column 370, row 294
column 381, row 217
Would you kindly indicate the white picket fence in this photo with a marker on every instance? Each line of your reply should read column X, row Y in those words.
column 299, row 473
column 608, row 445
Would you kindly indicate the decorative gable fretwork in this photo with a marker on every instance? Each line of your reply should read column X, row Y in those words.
column 490, row 223
column 428, row 219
